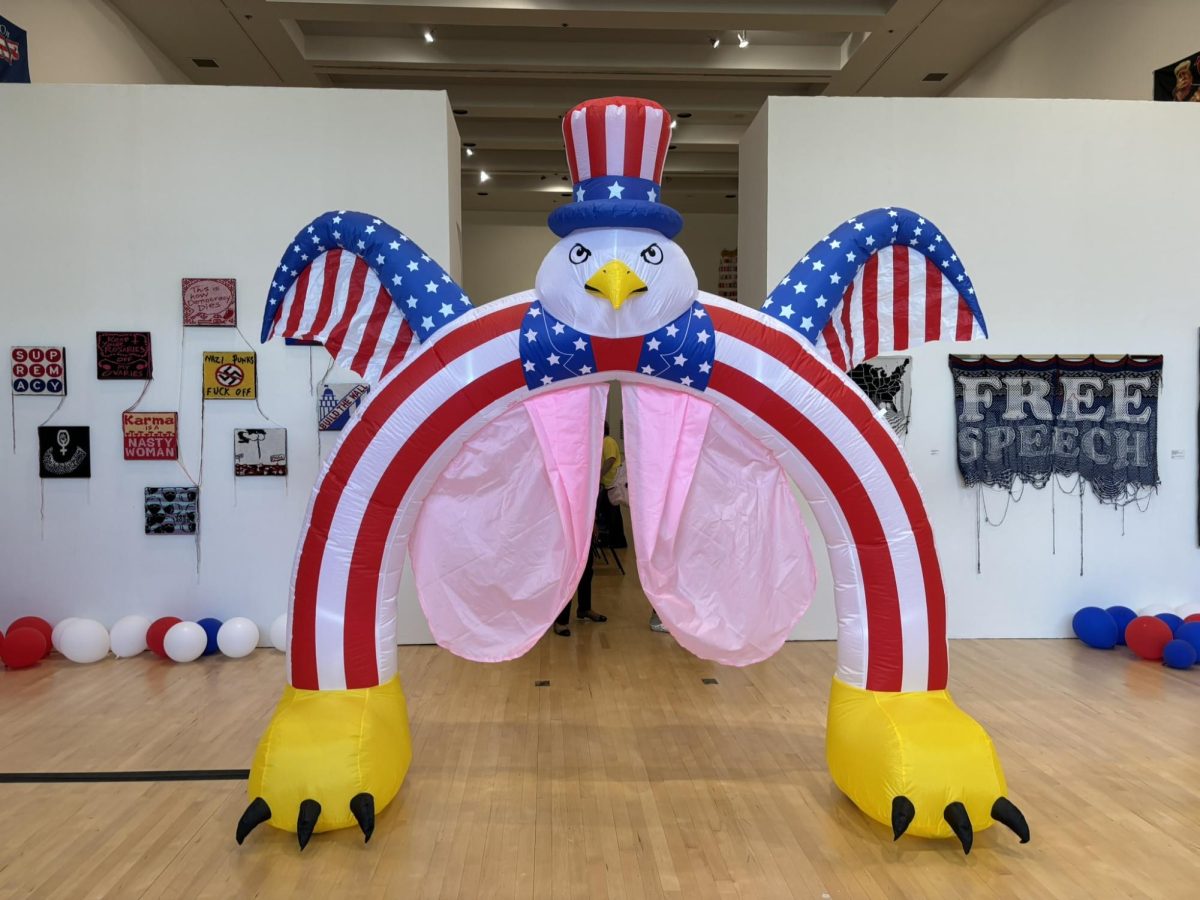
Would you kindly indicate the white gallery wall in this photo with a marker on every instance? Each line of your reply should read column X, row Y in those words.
column 1088, row 49
column 1073, row 219
column 88, row 42
column 112, row 196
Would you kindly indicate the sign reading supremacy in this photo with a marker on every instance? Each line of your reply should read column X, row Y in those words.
column 1029, row 418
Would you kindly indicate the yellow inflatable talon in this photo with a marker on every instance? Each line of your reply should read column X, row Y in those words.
column 329, row 748
column 917, row 746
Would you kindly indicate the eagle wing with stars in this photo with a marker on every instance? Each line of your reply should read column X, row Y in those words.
column 361, row 288
column 883, row 281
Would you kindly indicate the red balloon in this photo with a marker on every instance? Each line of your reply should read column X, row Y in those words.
column 38, row 624
column 158, row 631
column 1194, row 617
column 1147, row 635
column 23, row 647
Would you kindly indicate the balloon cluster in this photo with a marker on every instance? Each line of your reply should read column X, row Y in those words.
column 1173, row 639
column 31, row 638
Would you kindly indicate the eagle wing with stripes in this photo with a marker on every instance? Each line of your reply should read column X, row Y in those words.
column 883, row 281
column 361, row 288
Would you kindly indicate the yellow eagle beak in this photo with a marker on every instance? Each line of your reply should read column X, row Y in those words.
column 615, row 281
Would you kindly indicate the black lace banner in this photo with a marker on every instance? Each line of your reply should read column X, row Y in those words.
column 1028, row 419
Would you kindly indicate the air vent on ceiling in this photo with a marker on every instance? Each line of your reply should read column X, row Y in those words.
column 935, row 76
column 204, row 63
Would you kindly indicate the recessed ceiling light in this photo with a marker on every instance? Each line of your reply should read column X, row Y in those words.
column 484, row 176
column 935, row 76
column 730, row 196
column 481, row 193
column 459, row 112
column 429, row 37
column 205, row 63
column 683, row 115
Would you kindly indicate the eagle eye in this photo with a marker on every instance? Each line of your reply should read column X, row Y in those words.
column 653, row 254
column 580, row 254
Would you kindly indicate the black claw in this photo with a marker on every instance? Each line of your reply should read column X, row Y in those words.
column 256, row 813
column 363, row 807
column 1005, row 812
column 960, row 823
column 903, row 812
column 310, row 811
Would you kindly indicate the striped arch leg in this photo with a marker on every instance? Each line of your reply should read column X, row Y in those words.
column 896, row 743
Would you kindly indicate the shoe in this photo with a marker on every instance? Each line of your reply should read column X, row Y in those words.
column 657, row 625
column 562, row 630
column 592, row 616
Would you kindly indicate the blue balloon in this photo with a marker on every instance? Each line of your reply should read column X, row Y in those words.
column 211, row 627
column 1190, row 632
column 1179, row 655
column 1172, row 620
column 1095, row 627
column 1122, row 615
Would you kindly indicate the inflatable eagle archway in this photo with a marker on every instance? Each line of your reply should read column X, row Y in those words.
column 477, row 456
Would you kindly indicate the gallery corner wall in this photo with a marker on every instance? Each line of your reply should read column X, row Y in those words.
column 114, row 194
column 1073, row 220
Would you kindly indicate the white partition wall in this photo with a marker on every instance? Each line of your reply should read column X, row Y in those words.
column 1074, row 218
column 112, row 195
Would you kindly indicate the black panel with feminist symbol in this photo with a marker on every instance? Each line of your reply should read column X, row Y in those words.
column 64, row 451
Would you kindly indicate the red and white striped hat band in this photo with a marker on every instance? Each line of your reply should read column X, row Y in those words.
column 616, row 147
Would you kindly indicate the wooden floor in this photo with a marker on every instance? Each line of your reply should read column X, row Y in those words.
column 626, row 777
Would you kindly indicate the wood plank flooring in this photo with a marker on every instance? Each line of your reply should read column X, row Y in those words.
column 626, row 777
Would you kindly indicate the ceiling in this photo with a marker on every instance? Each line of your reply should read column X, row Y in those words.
column 512, row 67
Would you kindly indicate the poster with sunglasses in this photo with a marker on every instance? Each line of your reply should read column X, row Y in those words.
column 172, row 510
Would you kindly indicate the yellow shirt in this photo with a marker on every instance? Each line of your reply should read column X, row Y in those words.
column 610, row 451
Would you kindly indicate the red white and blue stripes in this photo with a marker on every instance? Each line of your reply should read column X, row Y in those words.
column 882, row 282
column 363, row 289
column 891, row 604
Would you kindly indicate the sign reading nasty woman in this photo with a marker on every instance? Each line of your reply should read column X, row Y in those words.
column 151, row 435
column 1027, row 419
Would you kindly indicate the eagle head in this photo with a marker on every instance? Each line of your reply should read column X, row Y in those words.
column 616, row 282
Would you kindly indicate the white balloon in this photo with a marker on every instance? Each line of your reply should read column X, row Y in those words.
column 128, row 636
column 185, row 641
column 237, row 637
column 279, row 633
column 84, row 641
column 56, row 634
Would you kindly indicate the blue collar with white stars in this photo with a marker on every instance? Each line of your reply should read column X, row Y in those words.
column 681, row 351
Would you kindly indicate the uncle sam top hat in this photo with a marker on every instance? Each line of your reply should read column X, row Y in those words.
column 616, row 147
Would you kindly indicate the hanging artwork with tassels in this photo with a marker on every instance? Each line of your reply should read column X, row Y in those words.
column 1027, row 419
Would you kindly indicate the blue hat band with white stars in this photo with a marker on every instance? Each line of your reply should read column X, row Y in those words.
column 616, row 201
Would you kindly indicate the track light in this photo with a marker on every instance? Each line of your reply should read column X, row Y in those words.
column 470, row 152
column 743, row 40
column 484, row 176
column 716, row 42
column 673, row 124
column 429, row 38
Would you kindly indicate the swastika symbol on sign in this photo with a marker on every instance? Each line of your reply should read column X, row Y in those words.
column 229, row 375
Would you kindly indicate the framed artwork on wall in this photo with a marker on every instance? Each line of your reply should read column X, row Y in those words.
column 210, row 302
